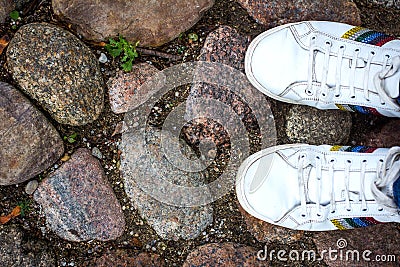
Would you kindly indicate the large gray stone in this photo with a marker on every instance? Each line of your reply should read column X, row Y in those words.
column 144, row 159
column 152, row 23
column 312, row 126
column 29, row 144
column 79, row 203
column 59, row 71
column 276, row 12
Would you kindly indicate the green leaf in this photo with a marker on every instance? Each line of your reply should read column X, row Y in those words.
column 71, row 139
column 14, row 15
column 193, row 36
column 127, row 66
column 115, row 52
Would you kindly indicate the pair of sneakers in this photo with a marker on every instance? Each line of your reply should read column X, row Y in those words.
column 326, row 65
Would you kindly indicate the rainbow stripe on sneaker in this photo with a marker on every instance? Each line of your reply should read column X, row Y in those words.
column 366, row 36
column 358, row 149
column 358, row 222
column 351, row 223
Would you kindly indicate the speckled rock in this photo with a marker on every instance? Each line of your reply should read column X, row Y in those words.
column 6, row 6
column 21, row 4
column 14, row 254
column 29, row 144
column 226, row 46
column 125, row 89
column 387, row 136
column 312, row 126
column 55, row 68
column 376, row 243
column 122, row 258
column 152, row 23
column 266, row 232
column 142, row 157
column 78, row 202
column 225, row 254
column 387, row 3
column 276, row 12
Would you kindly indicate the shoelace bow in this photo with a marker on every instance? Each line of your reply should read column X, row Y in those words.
column 388, row 171
column 388, row 70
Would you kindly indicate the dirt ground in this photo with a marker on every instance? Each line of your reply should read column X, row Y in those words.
column 139, row 237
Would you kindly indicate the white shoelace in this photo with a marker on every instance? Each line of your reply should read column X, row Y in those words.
column 387, row 172
column 388, row 70
column 390, row 172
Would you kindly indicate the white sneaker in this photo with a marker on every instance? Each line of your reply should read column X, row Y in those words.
column 320, row 188
column 327, row 65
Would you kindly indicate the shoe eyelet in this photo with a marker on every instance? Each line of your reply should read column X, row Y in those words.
column 357, row 50
column 349, row 210
column 327, row 42
column 387, row 56
column 309, row 92
column 380, row 209
column 332, row 160
column 333, row 211
column 348, row 161
column 342, row 47
column 382, row 104
column 372, row 53
column 319, row 214
column 303, row 215
column 365, row 210
column 353, row 96
column 338, row 95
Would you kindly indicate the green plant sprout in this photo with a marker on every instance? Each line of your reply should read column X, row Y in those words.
column 14, row 15
column 25, row 206
column 193, row 37
column 124, row 49
column 71, row 139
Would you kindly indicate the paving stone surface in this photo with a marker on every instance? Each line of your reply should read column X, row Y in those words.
column 225, row 254
column 227, row 47
column 6, row 6
column 29, row 143
column 125, row 90
column 142, row 158
column 153, row 23
column 266, row 232
column 78, row 202
column 387, row 3
column 386, row 136
column 313, row 126
column 122, row 258
column 58, row 70
column 370, row 246
column 276, row 12
column 13, row 252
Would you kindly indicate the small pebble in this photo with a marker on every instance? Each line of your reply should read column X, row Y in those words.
column 97, row 153
column 103, row 58
column 31, row 187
